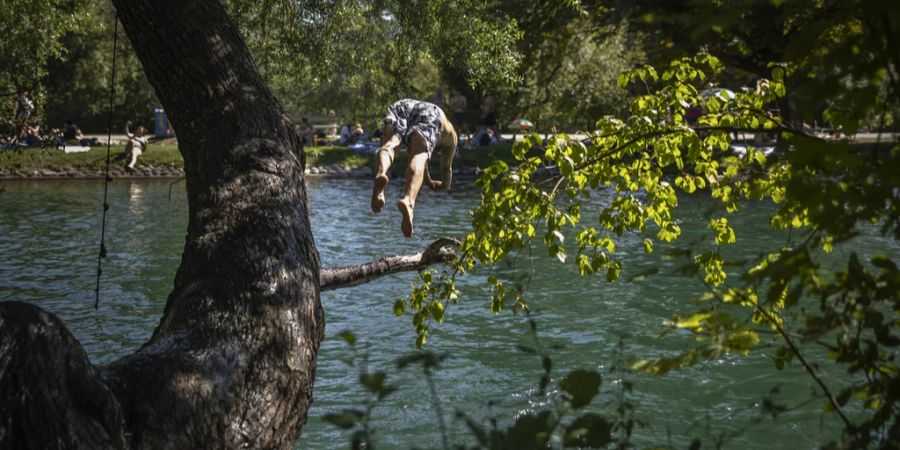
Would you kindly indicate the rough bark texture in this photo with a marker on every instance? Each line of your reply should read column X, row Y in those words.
column 50, row 395
column 232, row 361
column 340, row 277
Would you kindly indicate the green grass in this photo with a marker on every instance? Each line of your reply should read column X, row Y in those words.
column 36, row 158
column 335, row 155
column 158, row 155
column 484, row 156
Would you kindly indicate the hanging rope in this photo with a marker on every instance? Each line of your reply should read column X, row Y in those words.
column 107, row 179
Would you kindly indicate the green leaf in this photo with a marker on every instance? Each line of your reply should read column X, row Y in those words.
column 588, row 431
column 694, row 321
column 426, row 359
column 374, row 383
column 648, row 246
column 437, row 311
column 742, row 341
column 531, row 431
column 561, row 255
column 581, row 386
column 348, row 337
column 399, row 307
column 662, row 366
column 778, row 74
column 724, row 233
column 346, row 419
column 613, row 270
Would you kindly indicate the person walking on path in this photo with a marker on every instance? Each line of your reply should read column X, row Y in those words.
column 421, row 127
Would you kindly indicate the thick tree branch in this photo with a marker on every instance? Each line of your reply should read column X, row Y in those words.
column 437, row 252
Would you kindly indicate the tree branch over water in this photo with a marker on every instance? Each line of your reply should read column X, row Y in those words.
column 437, row 252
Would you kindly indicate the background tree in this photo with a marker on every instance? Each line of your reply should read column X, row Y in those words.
column 570, row 60
column 358, row 56
column 232, row 361
column 797, row 296
column 77, row 83
column 836, row 52
column 32, row 36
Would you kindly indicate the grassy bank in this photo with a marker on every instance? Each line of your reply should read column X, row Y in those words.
column 32, row 158
column 168, row 155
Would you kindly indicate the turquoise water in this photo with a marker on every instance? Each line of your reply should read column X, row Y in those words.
column 49, row 234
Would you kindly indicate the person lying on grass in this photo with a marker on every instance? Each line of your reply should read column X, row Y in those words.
column 421, row 127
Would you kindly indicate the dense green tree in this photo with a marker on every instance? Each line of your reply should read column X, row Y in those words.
column 835, row 52
column 63, row 53
column 797, row 296
column 798, row 59
column 570, row 60
column 32, row 34
column 77, row 83
column 232, row 361
column 357, row 56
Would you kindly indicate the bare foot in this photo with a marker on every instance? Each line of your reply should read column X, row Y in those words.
column 378, row 193
column 406, row 224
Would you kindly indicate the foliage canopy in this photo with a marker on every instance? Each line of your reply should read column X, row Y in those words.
column 827, row 191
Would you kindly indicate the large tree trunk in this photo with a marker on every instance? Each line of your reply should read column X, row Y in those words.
column 232, row 361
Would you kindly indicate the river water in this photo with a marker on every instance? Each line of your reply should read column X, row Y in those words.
column 49, row 238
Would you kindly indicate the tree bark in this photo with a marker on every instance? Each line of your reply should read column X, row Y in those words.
column 340, row 277
column 50, row 394
column 232, row 361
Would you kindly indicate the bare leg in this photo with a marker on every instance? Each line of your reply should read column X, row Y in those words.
column 415, row 172
column 131, row 155
column 385, row 158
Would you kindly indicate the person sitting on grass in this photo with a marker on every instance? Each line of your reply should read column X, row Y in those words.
column 420, row 126
column 306, row 131
column 29, row 135
column 345, row 134
column 73, row 135
column 357, row 133
column 137, row 144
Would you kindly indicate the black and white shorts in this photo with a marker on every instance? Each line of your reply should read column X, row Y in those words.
column 408, row 116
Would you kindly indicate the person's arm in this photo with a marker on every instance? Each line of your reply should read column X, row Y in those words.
column 128, row 133
column 448, row 152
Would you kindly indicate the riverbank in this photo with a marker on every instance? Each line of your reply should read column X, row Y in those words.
column 164, row 161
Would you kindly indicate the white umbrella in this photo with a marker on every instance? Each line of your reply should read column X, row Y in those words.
column 720, row 93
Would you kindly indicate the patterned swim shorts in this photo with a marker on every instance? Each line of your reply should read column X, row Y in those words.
column 408, row 116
